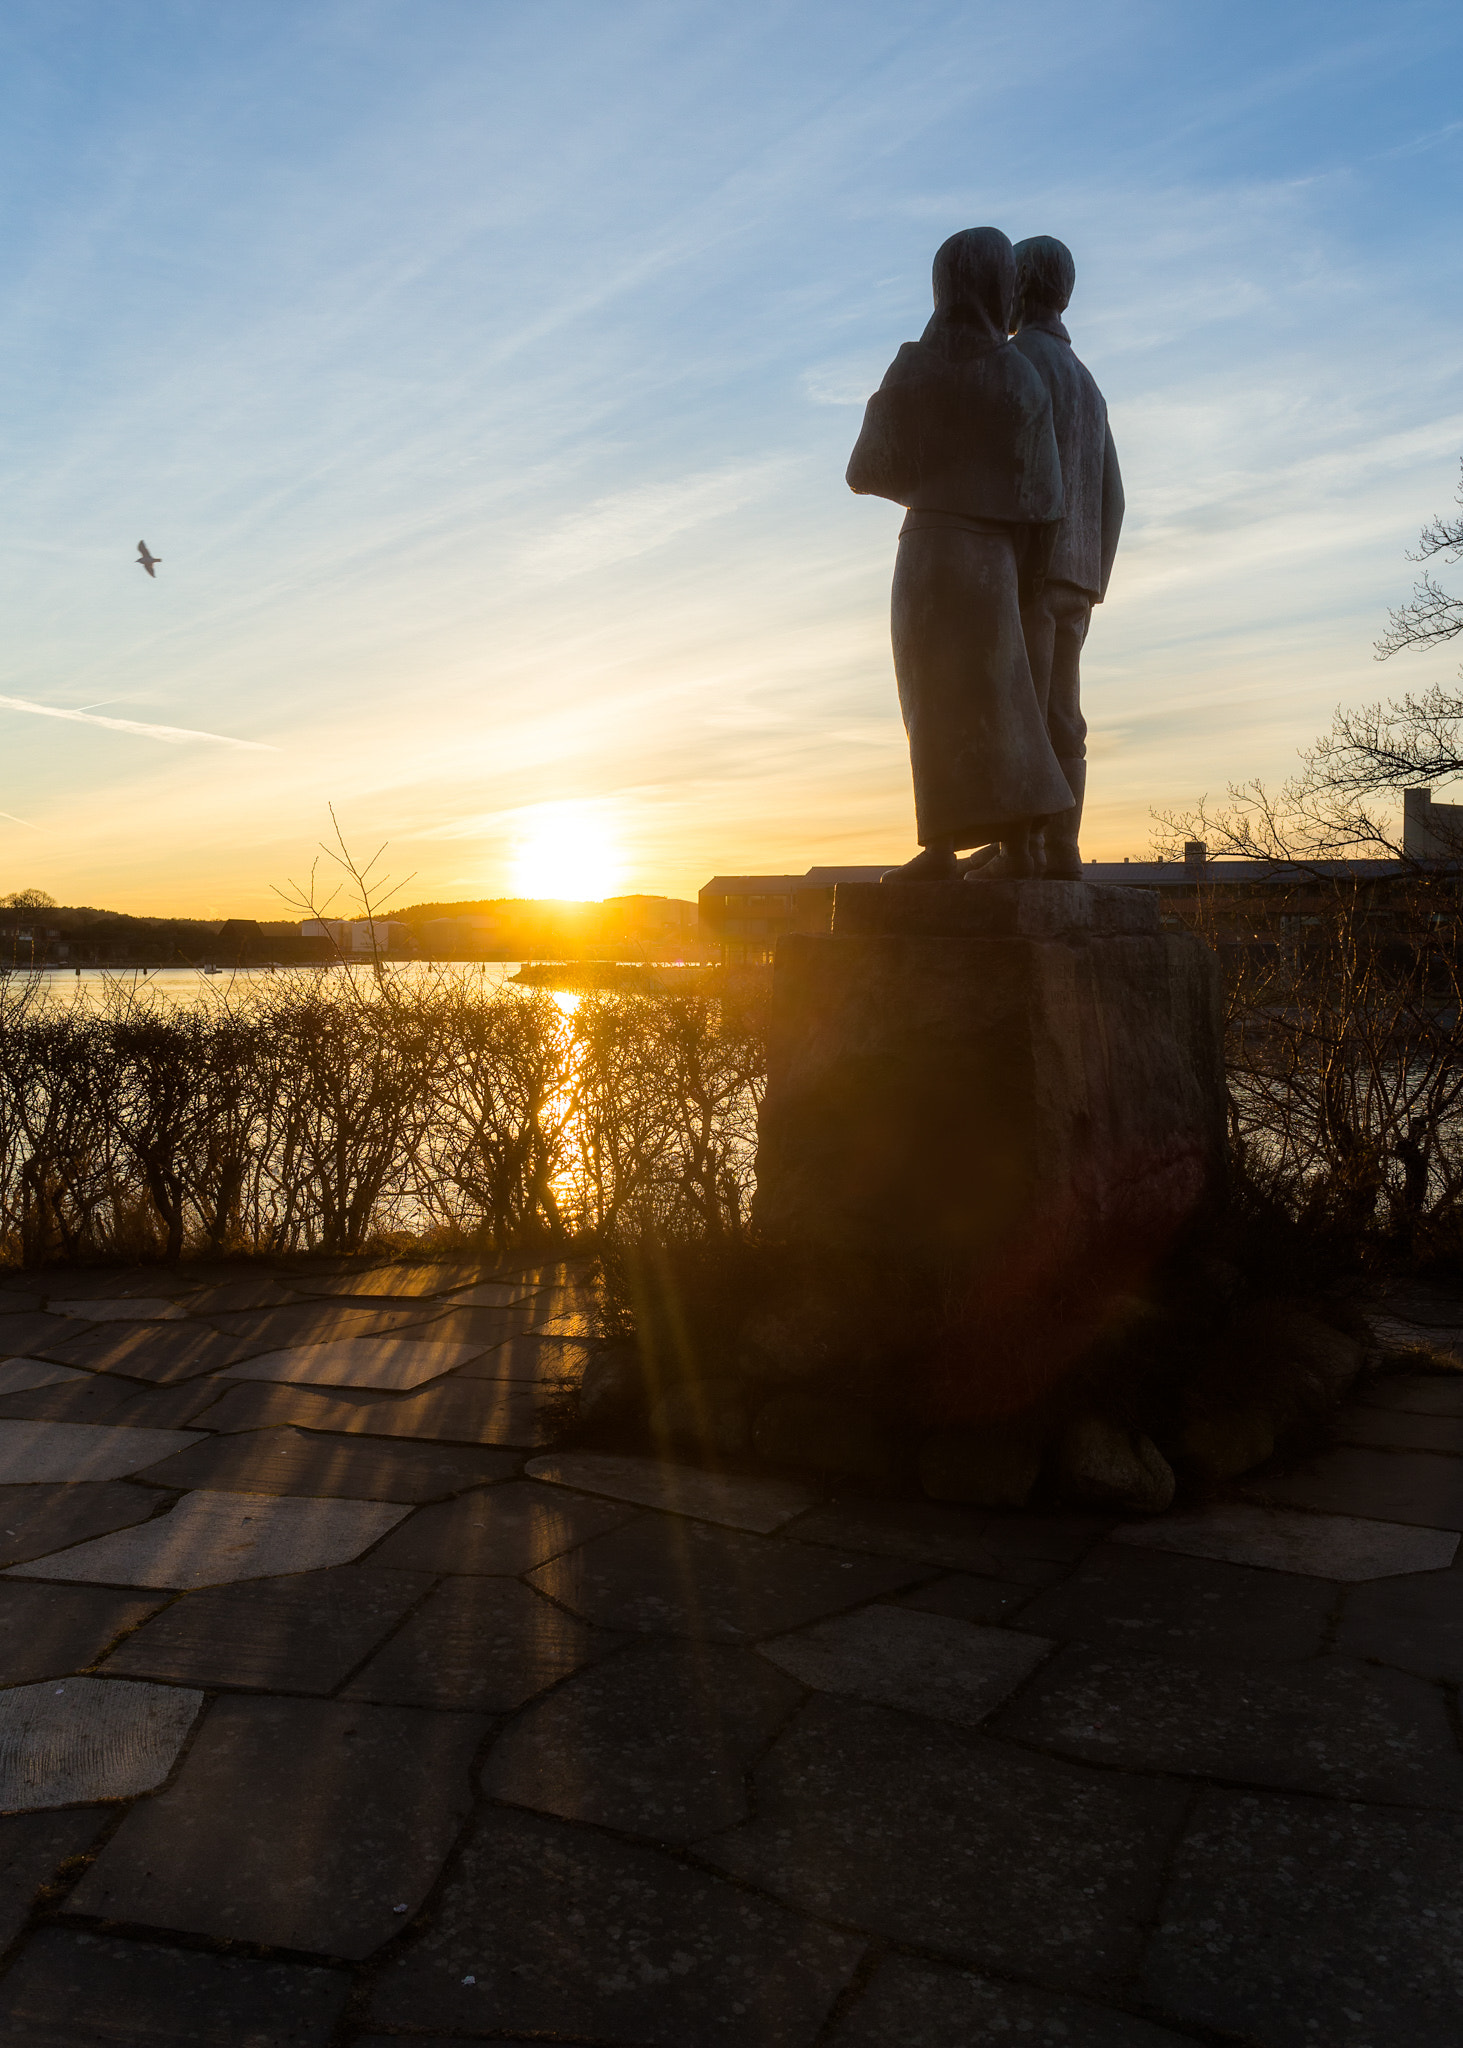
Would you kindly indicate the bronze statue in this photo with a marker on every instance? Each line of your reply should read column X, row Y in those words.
column 1055, row 618
column 960, row 431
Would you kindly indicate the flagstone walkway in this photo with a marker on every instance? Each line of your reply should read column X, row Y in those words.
column 336, row 1709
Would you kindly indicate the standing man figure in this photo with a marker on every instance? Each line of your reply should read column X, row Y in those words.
column 1056, row 619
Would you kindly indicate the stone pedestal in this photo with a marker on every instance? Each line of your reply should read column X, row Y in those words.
column 1013, row 1089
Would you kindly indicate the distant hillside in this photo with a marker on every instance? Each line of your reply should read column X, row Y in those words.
column 60, row 934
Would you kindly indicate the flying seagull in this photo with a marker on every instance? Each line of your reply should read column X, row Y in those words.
column 147, row 559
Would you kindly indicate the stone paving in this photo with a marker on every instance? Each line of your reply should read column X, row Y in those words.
column 337, row 1707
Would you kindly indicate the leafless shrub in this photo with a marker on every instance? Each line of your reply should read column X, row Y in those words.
column 319, row 1112
column 1344, row 1066
column 1343, row 984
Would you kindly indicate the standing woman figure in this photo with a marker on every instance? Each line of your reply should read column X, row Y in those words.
column 960, row 432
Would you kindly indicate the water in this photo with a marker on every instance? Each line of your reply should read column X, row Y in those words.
column 190, row 988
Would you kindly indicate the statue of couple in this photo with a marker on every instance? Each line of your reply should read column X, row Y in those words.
column 995, row 437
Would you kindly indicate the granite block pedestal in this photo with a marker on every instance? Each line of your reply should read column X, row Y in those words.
column 1015, row 1088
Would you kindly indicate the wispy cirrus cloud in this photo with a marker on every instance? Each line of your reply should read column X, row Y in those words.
column 630, row 523
column 171, row 735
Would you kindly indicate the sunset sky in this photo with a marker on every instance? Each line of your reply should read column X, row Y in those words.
column 484, row 376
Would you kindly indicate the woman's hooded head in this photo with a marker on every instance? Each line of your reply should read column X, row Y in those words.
column 975, row 290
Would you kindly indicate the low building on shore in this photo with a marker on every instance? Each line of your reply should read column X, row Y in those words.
column 1236, row 900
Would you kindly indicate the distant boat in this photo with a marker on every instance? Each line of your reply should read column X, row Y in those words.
column 213, row 970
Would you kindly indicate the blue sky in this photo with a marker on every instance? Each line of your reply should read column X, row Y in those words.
column 485, row 375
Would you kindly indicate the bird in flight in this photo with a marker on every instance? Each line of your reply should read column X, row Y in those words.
column 147, row 559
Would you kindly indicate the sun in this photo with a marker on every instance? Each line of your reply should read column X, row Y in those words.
column 566, row 850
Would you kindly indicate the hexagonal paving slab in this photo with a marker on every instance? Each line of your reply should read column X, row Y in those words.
column 1414, row 1623
column 390, row 1283
column 389, row 1363
column 928, row 2005
column 17, row 1375
column 212, row 1539
column 54, row 1631
column 531, row 1357
column 35, row 1332
column 33, row 1846
column 1324, row 1725
column 35, row 1520
column 301, row 1634
column 760, row 1505
column 142, row 1310
column 1341, row 1547
column 98, row 1397
column 1025, row 1549
column 34, row 1451
column 321, row 1322
column 566, row 1933
column 925, row 1663
column 504, row 1529
column 160, row 1353
column 1292, row 1921
column 1127, row 1598
column 349, row 1468
column 68, row 1987
column 955, row 1843
column 481, row 1645
column 654, row 1742
column 68, row 1741
column 493, row 1294
column 665, row 1576
column 301, row 1824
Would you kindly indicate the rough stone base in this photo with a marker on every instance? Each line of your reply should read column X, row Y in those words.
column 1015, row 1088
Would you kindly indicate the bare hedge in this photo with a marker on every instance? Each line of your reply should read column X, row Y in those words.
column 309, row 1114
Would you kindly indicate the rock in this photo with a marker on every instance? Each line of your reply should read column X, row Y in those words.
column 1223, row 1446
column 704, row 1416
column 1115, row 1468
column 992, row 1467
column 822, row 1434
column 613, row 1385
column 1323, row 1362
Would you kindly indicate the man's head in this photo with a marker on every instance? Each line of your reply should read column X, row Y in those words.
column 1045, row 275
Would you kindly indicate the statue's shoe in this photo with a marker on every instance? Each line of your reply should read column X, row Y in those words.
column 929, row 866
column 1006, row 867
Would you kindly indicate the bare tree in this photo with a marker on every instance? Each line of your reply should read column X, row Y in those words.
column 1329, row 810
column 1432, row 615
column 372, row 891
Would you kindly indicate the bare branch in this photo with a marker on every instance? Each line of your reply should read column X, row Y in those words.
column 1441, row 537
column 1428, row 620
column 1390, row 746
column 1432, row 616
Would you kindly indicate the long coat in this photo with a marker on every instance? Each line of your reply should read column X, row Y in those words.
column 1092, row 485
column 965, row 441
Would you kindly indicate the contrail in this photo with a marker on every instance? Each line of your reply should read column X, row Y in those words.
column 174, row 735
column 20, row 821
